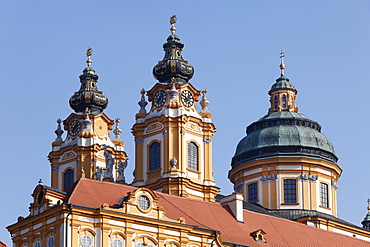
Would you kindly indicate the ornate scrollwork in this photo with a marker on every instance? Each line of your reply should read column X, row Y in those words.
column 271, row 177
column 308, row 177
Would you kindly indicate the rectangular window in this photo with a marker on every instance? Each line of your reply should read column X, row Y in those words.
column 290, row 191
column 324, row 202
column 252, row 192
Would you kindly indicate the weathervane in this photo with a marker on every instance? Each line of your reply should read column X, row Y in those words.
column 88, row 54
column 282, row 65
column 173, row 20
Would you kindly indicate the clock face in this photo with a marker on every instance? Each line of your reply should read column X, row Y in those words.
column 74, row 128
column 187, row 98
column 159, row 98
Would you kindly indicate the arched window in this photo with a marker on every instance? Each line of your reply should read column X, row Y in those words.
column 37, row 244
column 117, row 243
column 51, row 241
column 68, row 178
column 284, row 101
column 154, row 156
column 193, row 156
column 275, row 102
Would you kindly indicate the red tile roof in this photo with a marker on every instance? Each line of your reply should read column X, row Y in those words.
column 279, row 232
column 2, row 244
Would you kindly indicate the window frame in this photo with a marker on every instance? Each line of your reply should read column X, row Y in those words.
column 87, row 236
column 114, row 242
column 284, row 101
column 193, row 162
column 157, row 159
column 71, row 176
column 327, row 195
column 51, row 238
column 256, row 192
column 285, row 190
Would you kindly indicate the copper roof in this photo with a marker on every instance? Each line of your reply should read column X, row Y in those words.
column 213, row 216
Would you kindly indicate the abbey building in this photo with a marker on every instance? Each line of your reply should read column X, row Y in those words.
column 284, row 172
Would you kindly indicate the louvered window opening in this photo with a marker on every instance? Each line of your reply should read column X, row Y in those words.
column 193, row 156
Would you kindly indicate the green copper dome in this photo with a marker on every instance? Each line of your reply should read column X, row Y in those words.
column 282, row 82
column 284, row 134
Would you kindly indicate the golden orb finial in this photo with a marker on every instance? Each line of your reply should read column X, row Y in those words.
column 173, row 20
column 88, row 54
column 282, row 65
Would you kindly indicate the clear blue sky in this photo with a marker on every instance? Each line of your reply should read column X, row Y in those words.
column 234, row 47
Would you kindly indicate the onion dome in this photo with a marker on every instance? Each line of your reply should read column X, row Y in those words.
column 173, row 64
column 88, row 96
column 283, row 132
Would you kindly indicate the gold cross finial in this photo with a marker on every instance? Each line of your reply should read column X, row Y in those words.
column 173, row 20
column 282, row 65
column 88, row 54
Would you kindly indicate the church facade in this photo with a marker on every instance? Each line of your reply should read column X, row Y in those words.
column 284, row 173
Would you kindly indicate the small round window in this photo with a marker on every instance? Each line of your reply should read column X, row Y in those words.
column 86, row 241
column 144, row 202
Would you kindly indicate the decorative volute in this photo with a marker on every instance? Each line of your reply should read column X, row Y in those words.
column 88, row 96
column 173, row 64
column 282, row 93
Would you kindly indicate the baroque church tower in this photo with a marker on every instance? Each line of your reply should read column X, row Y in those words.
column 173, row 139
column 87, row 150
column 285, row 162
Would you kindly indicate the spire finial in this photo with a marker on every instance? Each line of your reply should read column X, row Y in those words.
column 173, row 20
column 59, row 132
column 117, row 131
column 142, row 103
column 88, row 54
column 204, row 102
column 282, row 65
